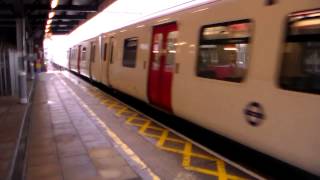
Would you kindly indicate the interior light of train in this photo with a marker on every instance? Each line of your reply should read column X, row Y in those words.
column 48, row 26
column 51, row 14
column 172, row 51
column 230, row 49
column 47, row 30
column 314, row 15
column 54, row 3
column 309, row 22
column 49, row 21
column 199, row 10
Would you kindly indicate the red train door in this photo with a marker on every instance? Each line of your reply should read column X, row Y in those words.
column 162, row 65
column 79, row 58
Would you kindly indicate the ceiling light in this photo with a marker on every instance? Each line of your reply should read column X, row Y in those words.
column 49, row 21
column 48, row 26
column 51, row 14
column 54, row 3
column 47, row 30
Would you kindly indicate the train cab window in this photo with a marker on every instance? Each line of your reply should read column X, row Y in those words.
column 300, row 67
column 83, row 54
column 223, row 51
column 130, row 52
column 105, row 48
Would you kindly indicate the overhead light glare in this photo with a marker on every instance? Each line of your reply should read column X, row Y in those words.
column 51, row 14
column 47, row 30
column 48, row 26
column 54, row 3
column 49, row 21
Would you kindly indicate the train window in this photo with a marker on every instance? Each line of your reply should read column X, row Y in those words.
column 105, row 48
column 157, row 49
column 83, row 54
column 111, row 49
column 223, row 51
column 171, row 48
column 300, row 68
column 130, row 52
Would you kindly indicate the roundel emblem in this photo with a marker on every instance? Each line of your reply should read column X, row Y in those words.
column 254, row 113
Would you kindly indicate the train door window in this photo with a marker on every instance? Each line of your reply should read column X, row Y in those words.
column 105, row 48
column 171, row 48
column 156, row 51
column 223, row 50
column 130, row 52
column 83, row 53
column 93, row 52
column 300, row 67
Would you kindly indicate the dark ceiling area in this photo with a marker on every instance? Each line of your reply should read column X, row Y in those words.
column 68, row 15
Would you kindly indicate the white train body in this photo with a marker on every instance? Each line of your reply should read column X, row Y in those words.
column 286, row 121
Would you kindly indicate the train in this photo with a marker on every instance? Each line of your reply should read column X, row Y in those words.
column 248, row 70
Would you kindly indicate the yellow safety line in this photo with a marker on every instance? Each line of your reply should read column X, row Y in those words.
column 114, row 137
column 163, row 138
column 221, row 170
column 119, row 113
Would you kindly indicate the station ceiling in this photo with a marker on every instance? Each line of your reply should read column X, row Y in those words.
column 68, row 14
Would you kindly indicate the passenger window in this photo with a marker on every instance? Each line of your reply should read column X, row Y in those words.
column 105, row 48
column 111, row 49
column 300, row 68
column 223, row 51
column 130, row 52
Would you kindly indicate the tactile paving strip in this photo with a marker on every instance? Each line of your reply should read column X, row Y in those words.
column 193, row 158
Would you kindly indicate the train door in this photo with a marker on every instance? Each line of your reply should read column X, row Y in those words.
column 162, row 65
column 107, row 59
column 92, row 60
column 79, row 58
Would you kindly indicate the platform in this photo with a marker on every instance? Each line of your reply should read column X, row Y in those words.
column 12, row 118
column 79, row 132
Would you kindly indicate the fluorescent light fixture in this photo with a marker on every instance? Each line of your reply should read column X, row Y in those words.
column 54, row 3
column 48, row 26
column 47, row 30
column 230, row 49
column 49, row 21
column 51, row 14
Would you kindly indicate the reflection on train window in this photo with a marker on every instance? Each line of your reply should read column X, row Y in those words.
column 300, row 69
column 223, row 51
column 105, row 48
column 130, row 52
column 83, row 54
column 171, row 49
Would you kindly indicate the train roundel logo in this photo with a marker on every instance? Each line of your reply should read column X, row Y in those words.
column 254, row 113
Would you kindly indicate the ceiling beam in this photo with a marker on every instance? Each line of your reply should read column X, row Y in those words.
column 70, row 8
column 58, row 17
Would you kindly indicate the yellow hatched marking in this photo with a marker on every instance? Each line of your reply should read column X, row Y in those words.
column 187, row 153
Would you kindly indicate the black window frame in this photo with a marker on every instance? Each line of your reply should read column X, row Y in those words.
column 222, row 41
column 105, row 50
column 296, row 38
column 130, row 63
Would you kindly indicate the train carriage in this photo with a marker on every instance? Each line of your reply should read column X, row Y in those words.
column 248, row 70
